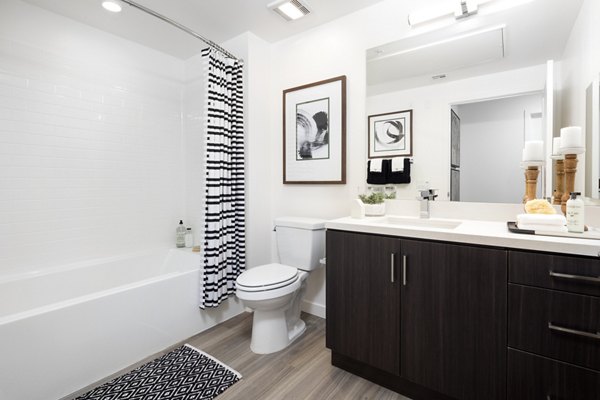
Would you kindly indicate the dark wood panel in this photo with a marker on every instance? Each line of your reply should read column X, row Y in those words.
column 385, row 379
column 532, row 309
column 538, row 378
column 533, row 269
column 363, row 305
column 454, row 319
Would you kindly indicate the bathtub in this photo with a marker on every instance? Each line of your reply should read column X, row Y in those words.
column 67, row 328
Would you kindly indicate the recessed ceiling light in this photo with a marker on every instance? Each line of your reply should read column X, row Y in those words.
column 111, row 6
column 290, row 10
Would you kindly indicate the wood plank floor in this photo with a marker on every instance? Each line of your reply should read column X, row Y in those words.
column 301, row 371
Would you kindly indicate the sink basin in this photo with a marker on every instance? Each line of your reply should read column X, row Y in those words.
column 422, row 222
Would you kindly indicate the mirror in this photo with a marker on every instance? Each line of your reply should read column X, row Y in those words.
column 481, row 86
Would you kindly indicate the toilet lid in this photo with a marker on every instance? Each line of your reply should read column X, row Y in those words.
column 266, row 277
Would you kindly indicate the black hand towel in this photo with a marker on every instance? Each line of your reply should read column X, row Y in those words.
column 400, row 176
column 379, row 178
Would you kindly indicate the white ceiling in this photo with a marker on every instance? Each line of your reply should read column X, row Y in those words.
column 534, row 33
column 218, row 20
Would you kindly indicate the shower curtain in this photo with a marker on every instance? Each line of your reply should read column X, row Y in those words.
column 223, row 235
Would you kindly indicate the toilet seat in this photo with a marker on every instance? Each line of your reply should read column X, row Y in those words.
column 267, row 277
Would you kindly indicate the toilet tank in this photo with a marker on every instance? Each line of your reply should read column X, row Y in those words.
column 300, row 241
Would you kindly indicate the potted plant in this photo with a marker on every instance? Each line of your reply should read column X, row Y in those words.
column 375, row 202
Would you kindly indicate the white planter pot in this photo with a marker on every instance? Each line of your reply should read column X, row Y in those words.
column 375, row 209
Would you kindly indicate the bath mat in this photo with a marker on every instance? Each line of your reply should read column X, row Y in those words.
column 185, row 373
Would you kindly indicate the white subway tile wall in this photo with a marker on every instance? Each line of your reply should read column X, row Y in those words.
column 90, row 156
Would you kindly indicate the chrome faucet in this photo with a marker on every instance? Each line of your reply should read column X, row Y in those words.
column 425, row 196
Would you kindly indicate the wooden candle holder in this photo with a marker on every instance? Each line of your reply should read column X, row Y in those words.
column 531, row 177
column 570, row 166
column 559, row 181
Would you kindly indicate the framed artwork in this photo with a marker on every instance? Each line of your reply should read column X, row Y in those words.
column 390, row 134
column 314, row 133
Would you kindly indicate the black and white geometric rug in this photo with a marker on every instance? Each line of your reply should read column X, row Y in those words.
column 185, row 373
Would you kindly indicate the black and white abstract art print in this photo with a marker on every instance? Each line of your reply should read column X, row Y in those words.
column 312, row 130
column 314, row 133
column 390, row 134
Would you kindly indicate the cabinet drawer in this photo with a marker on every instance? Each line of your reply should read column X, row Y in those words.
column 571, row 274
column 537, row 378
column 555, row 324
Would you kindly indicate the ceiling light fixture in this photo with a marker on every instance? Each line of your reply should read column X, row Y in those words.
column 112, row 6
column 461, row 9
column 290, row 10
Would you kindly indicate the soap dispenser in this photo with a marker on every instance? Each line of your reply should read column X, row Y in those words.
column 180, row 234
column 575, row 213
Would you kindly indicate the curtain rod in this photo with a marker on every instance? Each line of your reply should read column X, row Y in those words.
column 181, row 27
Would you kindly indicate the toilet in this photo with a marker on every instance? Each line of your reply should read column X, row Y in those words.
column 275, row 291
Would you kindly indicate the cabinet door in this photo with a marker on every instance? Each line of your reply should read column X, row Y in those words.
column 453, row 336
column 363, row 298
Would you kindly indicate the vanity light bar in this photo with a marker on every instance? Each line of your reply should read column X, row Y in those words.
column 461, row 9
column 290, row 10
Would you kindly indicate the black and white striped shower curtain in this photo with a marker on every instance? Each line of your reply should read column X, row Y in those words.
column 224, row 230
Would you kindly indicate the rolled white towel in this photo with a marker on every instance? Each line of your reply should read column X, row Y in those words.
column 541, row 219
column 375, row 165
column 543, row 228
column 398, row 164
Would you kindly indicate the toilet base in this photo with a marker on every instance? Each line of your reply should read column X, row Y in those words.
column 270, row 332
column 296, row 331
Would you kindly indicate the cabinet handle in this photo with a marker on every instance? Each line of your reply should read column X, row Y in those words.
column 589, row 279
column 404, row 267
column 393, row 268
column 589, row 335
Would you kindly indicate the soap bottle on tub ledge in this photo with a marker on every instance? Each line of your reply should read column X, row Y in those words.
column 180, row 235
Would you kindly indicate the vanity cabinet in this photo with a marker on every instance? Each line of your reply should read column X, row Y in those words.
column 427, row 319
column 553, row 327
column 453, row 318
column 363, row 299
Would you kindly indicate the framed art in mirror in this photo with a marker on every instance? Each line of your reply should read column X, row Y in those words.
column 314, row 133
column 390, row 134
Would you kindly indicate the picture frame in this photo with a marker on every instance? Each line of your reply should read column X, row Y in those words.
column 314, row 133
column 390, row 134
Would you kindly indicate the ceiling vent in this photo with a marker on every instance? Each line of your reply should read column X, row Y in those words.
column 289, row 10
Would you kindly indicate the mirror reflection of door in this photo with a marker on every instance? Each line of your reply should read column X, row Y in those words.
column 490, row 136
column 454, row 156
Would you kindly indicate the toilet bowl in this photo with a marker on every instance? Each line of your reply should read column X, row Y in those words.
column 274, row 291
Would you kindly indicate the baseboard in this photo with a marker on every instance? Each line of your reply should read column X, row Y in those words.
column 313, row 308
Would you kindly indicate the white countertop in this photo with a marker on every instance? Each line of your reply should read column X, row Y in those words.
column 486, row 233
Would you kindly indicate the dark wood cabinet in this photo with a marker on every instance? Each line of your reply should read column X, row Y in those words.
column 363, row 298
column 453, row 317
column 555, row 324
column 442, row 321
column 534, row 377
column 565, row 273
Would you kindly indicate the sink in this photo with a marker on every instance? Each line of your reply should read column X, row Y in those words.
column 422, row 222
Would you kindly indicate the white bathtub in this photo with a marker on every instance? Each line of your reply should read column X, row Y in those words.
column 64, row 329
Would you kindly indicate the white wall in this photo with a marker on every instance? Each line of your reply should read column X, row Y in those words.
column 192, row 104
column 90, row 133
column 579, row 67
column 491, row 140
column 338, row 48
column 431, row 118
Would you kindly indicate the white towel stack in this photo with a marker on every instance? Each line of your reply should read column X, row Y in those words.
column 542, row 222
column 398, row 164
column 375, row 165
